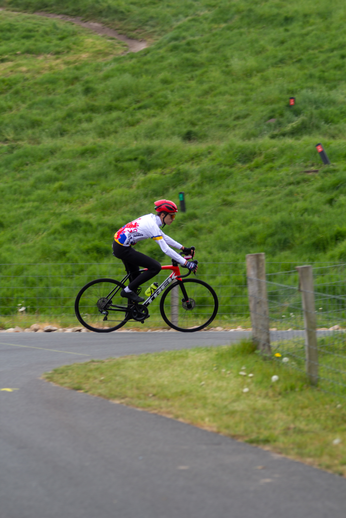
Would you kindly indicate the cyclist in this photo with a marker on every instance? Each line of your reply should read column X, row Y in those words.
column 146, row 227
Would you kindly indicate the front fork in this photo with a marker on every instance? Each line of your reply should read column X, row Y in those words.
column 185, row 298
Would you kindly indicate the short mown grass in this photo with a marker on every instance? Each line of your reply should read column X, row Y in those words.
column 228, row 390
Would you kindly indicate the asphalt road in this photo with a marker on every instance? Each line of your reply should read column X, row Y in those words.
column 65, row 454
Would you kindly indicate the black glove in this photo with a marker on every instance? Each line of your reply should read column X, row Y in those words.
column 192, row 265
column 189, row 251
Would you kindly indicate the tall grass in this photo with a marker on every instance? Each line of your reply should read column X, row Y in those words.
column 90, row 137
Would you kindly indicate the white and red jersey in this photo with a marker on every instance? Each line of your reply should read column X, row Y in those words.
column 148, row 227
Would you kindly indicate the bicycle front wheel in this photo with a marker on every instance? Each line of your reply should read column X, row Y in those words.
column 189, row 305
column 99, row 306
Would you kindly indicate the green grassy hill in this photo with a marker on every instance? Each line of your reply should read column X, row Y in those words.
column 90, row 136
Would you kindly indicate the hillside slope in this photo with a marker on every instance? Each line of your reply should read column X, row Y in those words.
column 90, row 137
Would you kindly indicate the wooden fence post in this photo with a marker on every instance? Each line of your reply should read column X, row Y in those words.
column 258, row 302
column 174, row 305
column 306, row 287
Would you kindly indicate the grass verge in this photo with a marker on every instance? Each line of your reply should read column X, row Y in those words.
column 228, row 390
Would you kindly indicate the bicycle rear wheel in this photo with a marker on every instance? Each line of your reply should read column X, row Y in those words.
column 99, row 306
column 189, row 305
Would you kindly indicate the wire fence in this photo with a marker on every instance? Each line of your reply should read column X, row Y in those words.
column 292, row 327
column 47, row 291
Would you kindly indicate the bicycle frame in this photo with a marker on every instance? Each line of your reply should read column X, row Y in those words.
column 175, row 275
column 186, row 305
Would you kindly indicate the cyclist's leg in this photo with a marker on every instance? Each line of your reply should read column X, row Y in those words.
column 119, row 252
column 133, row 270
column 152, row 266
column 132, row 259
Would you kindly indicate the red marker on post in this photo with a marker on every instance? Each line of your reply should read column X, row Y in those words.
column 322, row 154
column 292, row 101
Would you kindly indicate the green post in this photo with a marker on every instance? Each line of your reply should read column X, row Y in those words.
column 182, row 201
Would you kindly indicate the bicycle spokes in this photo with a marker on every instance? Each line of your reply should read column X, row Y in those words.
column 100, row 307
column 189, row 305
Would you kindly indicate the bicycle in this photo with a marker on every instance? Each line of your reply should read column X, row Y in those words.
column 191, row 306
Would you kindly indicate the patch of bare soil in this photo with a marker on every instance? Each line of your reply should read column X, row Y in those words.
column 102, row 30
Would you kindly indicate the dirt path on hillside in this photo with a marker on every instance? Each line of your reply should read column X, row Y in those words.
column 102, row 30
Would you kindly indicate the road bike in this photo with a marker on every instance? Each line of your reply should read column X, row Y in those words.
column 186, row 305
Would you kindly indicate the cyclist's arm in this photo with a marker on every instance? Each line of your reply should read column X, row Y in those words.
column 171, row 242
column 168, row 251
column 177, row 245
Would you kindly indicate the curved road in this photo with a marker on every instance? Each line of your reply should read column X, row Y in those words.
column 68, row 454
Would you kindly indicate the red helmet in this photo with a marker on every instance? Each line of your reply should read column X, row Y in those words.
column 166, row 206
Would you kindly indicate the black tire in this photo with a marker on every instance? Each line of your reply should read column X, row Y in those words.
column 192, row 315
column 99, row 306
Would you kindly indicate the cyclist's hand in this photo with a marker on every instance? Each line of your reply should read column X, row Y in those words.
column 189, row 251
column 191, row 265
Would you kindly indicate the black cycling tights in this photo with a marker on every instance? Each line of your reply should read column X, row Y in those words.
column 132, row 261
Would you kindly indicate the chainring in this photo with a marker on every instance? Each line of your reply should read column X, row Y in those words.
column 139, row 312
